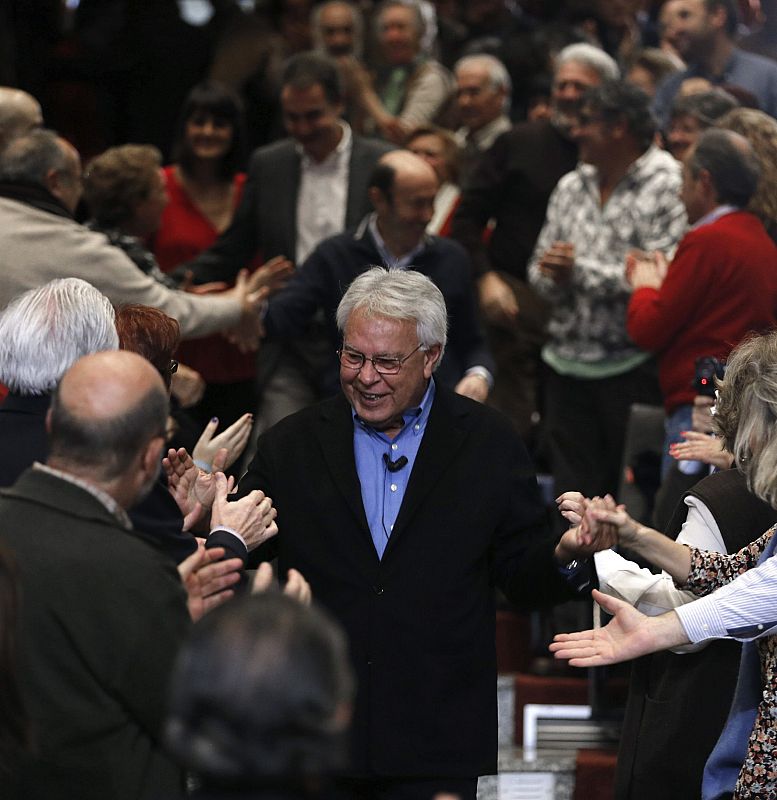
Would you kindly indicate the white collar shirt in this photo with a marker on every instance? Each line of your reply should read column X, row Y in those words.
column 323, row 196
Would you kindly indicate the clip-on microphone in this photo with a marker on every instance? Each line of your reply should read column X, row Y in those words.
column 394, row 466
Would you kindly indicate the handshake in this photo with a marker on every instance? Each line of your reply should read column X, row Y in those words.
column 596, row 524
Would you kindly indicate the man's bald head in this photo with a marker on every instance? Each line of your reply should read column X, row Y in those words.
column 105, row 411
column 19, row 113
column 402, row 189
column 406, row 166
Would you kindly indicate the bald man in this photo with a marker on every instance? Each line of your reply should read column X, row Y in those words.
column 19, row 114
column 103, row 612
column 401, row 189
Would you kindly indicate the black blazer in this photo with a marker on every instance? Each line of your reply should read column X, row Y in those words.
column 266, row 219
column 421, row 620
column 101, row 619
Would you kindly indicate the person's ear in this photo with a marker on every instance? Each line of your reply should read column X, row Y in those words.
column 705, row 178
column 718, row 17
column 377, row 198
column 431, row 357
column 152, row 455
column 52, row 181
column 49, row 415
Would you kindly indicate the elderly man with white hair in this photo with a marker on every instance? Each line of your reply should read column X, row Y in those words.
column 483, row 90
column 386, row 505
column 511, row 186
column 42, row 333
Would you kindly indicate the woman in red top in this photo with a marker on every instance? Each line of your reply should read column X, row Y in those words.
column 204, row 186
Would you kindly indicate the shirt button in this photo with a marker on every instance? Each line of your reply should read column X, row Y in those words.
column 416, row 427
column 760, row 627
column 393, row 487
column 378, row 590
column 394, row 446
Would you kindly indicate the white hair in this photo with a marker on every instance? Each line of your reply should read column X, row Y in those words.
column 498, row 75
column 589, row 56
column 358, row 26
column 399, row 294
column 46, row 330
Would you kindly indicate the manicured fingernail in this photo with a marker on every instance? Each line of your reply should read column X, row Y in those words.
column 214, row 419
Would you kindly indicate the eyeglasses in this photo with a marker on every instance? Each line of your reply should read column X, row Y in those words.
column 173, row 368
column 383, row 365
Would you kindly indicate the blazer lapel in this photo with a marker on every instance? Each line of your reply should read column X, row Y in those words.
column 287, row 194
column 336, row 439
column 359, row 171
column 442, row 440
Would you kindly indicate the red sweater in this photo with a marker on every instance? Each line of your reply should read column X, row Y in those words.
column 721, row 285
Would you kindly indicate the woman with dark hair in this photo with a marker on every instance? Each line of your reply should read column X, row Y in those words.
column 204, row 186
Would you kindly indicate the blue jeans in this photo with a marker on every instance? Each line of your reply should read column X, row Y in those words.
column 679, row 420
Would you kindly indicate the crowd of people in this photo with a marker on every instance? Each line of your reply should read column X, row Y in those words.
column 468, row 240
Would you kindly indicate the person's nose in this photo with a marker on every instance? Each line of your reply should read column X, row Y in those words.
column 368, row 375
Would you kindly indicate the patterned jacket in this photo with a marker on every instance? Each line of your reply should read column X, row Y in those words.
column 644, row 212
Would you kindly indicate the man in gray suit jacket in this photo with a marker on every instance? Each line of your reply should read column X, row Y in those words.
column 299, row 191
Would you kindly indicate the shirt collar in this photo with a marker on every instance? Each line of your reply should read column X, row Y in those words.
column 488, row 132
column 419, row 413
column 102, row 497
column 638, row 167
column 389, row 260
column 715, row 214
column 343, row 149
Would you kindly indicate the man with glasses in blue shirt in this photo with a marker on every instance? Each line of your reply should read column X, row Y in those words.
column 405, row 504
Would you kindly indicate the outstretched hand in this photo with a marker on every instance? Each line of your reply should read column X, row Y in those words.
column 296, row 586
column 252, row 516
column 233, row 439
column 571, row 506
column 207, row 580
column 615, row 518
column 591, row 535
column 628, row 635
column 193, row 489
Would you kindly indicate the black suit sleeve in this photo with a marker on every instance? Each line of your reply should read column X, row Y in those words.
column 480, row 200
column 523, row 566
column 258, row 477
column 290, row 311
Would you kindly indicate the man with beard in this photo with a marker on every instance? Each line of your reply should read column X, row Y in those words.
column 511, row 186
column 703, row 32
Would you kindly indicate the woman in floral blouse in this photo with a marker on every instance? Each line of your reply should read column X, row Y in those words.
column 746, row 606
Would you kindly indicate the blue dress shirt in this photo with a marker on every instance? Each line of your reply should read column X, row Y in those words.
column 383, row 490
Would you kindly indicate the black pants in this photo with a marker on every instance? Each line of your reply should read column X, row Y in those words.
column 402, row 788
column 584, row 426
